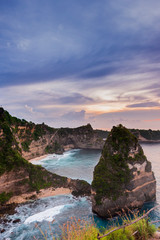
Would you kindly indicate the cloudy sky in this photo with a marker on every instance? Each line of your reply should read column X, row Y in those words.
column 70, row 62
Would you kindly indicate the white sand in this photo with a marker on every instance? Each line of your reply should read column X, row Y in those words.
column 38, row 158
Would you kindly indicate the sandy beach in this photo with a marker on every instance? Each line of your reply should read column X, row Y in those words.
column 42, row 193
column 38, row 158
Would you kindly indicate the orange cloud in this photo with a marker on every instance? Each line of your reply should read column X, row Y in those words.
column 152, row 120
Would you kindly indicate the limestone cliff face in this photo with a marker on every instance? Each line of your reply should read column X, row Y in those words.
column 44, row 145
column 82, row 137
column 123, row 177
column 62, row 139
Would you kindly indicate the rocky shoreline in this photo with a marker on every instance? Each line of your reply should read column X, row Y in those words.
column 9, row 206
column 48, row 192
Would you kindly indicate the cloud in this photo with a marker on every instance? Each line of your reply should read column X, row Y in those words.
column 45, row 43
column 152, row 120
column 30, row 109
column 74, row 116
column 98, row 56
column 144, row 105
column 142, row 119
column 75, row 98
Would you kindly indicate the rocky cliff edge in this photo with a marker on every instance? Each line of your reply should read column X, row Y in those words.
column 19, row 177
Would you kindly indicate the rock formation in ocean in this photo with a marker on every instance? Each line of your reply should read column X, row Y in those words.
column 123, row 178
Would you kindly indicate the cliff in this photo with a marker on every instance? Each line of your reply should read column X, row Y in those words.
column 149, row 136
column 123, row 177
column 17, row 175
column 83, row 137
column 43, row 139
column 143, row 135
column 34, row 140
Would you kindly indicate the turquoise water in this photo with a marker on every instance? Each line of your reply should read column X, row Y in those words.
column 76, row 164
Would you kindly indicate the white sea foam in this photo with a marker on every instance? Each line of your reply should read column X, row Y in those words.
column 45, row 215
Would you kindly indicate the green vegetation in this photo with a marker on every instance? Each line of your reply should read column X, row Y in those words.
column 112, row 173
column 149, row 134
column 38, row 132
column 66, row 131
column 25, row 145
column 79, row 229
column 39, row 178
column 9, row 150
column 121, row 140
column 10, row 156
column 101, row 133
column 4, row 197
column 86, row 230
column 34, row 177
column 55, row 147
column 110, row 177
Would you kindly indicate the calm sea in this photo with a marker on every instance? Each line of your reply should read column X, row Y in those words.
column 75, row 164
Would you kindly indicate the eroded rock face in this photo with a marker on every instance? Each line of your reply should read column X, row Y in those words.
column 63, row 139
column 19, row 177
column 123, row 177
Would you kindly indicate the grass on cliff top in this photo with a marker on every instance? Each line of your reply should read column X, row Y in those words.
column 87, row 230
column 120, row 138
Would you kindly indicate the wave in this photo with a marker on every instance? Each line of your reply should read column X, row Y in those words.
column 45, row 215
column 53, row 159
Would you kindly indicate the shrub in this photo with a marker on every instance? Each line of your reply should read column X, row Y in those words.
column 4, row 197
column 86, row 230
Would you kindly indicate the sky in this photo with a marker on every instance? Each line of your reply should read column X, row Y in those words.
column 68, row 62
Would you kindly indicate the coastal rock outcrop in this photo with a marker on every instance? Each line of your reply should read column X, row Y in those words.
column 34, row 140
column 147, row 136
column 27, row 181
column 123, row 178
column 19, row 177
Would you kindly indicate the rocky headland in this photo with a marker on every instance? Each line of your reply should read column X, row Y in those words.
column 123, row 178
column 20, row 179
column 39, row 139
column 52, row 140
column 143, row 135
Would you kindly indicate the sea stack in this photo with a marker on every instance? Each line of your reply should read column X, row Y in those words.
column 123, row 178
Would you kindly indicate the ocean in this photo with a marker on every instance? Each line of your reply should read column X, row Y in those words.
column 49, row 213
